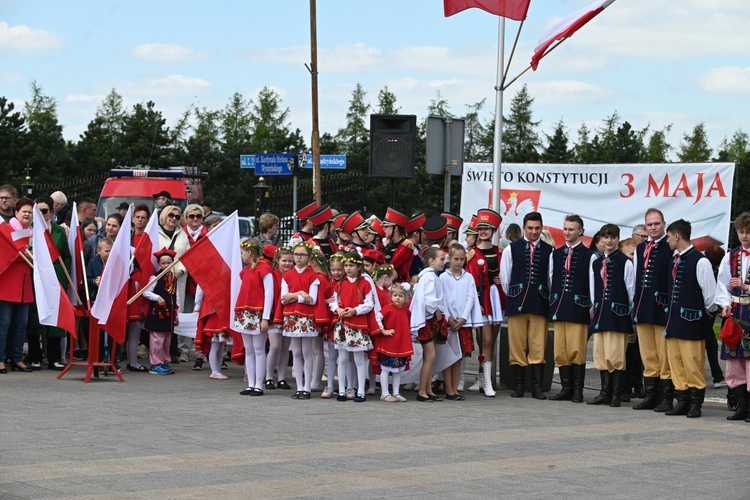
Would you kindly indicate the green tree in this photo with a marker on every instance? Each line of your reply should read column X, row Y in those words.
column 584, row 151
column 694, row 147
column 271, row 131
column 387, row 102
column 12, row 142
column 520, row 139
column 737, row 150
column 658, row 149
column 474, row 130
column 557, row 150
column 145, row 137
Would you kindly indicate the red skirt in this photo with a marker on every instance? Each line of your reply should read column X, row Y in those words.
column 433, row 330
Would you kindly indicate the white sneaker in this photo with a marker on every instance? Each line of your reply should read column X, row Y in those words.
column 327, row 393
column 184, row 357
column 720, row 384
column 350, row 393
column 371, row 391
column 142, row 351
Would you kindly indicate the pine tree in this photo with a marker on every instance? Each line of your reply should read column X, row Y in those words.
column 694, row 147
column 520, row 139
column 557, row 150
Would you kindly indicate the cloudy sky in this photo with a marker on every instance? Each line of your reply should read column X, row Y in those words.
column 654, row 62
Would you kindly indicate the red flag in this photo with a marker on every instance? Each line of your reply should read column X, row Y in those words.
column 8, row 251
column 111, row 304
column 52, row 303
column 147, row 245
column 214, row 262
column 566, row 28
column 512, row 9
column 53, row 250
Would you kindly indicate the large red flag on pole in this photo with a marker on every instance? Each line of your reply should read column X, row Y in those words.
column 215, row 264
column 111, row 305
column 147, row 245
column 512, row 9
column 565, row 28
column 52, row 302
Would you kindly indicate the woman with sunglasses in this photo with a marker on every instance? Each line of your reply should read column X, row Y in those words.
column 172, row 236
column 194, row 230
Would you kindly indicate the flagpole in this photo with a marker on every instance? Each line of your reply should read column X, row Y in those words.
column 86, row 284
column 497, row 156
column 156, row 278
column 70, row 280
column 529, row 66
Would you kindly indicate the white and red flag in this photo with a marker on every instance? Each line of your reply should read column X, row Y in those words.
column 566, row 27
column 111, row 305
column 75, row 246
column 10, row 244
column 147, row 245
column 512, row 9
column 214, row 263
column 52, row 302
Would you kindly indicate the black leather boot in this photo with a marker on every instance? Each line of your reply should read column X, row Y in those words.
column 537, row 372
column 683, row 403
column 618, row 385
column 518, row 375
column 649, row 402
column 740, row 396
column 605, row 394
column 696, row 402
column 667, row 395
column 579, row 376
column 566, row 383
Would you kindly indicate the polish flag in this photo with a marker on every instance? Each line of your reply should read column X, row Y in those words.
column 75, row 246
column 111, row 305
column 512, row 9
column 566, row 28
column 147, row 245
column 10, row 245
column 214, row 262
column 52, row 302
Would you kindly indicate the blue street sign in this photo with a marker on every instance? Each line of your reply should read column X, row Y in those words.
column 247, row 161
column 331, row 162
column 274, row 164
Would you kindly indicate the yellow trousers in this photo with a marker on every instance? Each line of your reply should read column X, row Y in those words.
column 570, row 343
column 527, row 339
column 609, row 350
column 653, row 347
column 687, row 361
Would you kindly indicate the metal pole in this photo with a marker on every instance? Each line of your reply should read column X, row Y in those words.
column 294, row 204
column 316, row 182
column 447, row 172
column 497, row 156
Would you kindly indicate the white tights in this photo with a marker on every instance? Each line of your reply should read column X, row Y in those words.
column 216, row 355
column 319, row 362
column 333, row 356
column 302, row 349
column 361, row 363
column 278, row 356
column 255, row 359
column 384, row 382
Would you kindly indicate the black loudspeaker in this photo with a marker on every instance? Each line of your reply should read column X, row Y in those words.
column 392, row 146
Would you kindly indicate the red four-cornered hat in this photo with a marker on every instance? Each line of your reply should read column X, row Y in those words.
column 305, row 212
column 321, row 215
column 435, row 228
column 353, row 222
column 454, row 221
column 374, row 256
column 415, row 223
column 487, row 217
column 269, row 251
column 165, row 251
column 395, row 218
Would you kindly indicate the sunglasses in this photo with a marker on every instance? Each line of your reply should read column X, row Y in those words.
column 174, row 216
column 44, row 211
column 195, row 216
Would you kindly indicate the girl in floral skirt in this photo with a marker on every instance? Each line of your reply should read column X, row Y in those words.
column 252, row 314
column 336, row 270
column 278, row 352
column 296, row 314
column 353, row 303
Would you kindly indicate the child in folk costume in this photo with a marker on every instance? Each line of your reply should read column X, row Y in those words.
column 278, row 353
column 162, row 314
column 462, row 313
column 483, row 262
column 336, row 270
column 296, row 313
column 354, row 303
column 395, row 348
column 212, row 333
column 252, row 314
column 427, row 321
column 384, row 276
column 322, row 318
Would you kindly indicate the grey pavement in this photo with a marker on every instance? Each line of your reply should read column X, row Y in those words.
column 187, row 436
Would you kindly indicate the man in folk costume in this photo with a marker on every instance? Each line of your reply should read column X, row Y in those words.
column 571, row 281
column 692, row 289
column 652, row 262
column 306, row 226
column 524, row 275
column 399, row 250
column 733, row 296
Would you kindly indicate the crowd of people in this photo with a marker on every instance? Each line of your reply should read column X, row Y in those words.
column 401, row 301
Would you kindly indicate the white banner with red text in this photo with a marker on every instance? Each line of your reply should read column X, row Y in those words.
column 700, row 193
